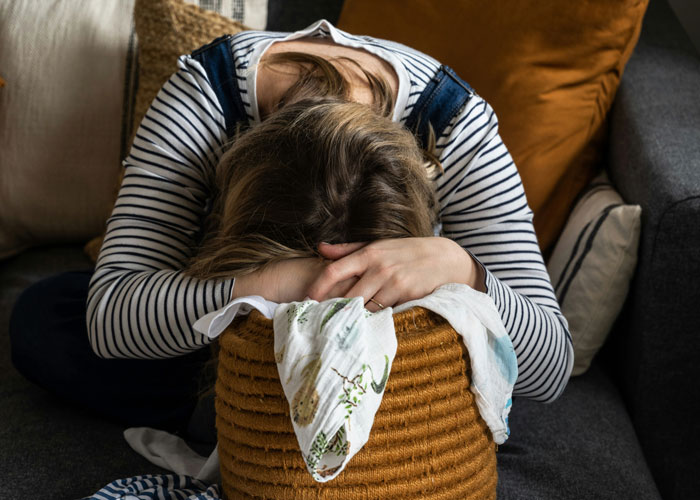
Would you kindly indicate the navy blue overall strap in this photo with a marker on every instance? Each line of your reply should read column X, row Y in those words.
column 441, row 100
column 217, row 60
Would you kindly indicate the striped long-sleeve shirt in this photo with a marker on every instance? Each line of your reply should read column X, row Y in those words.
column 141, row 305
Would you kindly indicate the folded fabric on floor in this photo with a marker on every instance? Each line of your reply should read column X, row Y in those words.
column 171, row 452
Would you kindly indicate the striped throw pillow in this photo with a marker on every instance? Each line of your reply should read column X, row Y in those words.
column 592, row 265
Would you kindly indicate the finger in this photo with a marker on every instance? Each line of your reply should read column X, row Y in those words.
column 367, row 287
column 341, row 288
column 387, row 297
column 351, row 266
column 372, row 307
column 339, row 250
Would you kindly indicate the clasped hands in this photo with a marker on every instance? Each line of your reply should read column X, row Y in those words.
column 390, row 272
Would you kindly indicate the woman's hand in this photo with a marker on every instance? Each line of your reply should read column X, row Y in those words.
column 287, row 280
column 395, row 271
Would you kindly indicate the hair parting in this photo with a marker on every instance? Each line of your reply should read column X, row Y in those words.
column 319, row 77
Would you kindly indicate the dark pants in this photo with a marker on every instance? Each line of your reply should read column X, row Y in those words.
column 50, row 347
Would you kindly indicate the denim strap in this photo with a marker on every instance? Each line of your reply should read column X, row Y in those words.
column 441, row 100
column 217, row 60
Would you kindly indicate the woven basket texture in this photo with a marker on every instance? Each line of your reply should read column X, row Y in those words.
column 428, row 440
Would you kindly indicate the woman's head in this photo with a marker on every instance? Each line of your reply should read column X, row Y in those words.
column 319, row 169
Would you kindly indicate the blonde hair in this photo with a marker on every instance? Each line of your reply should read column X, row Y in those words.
column 319, row 169
column 319, row 77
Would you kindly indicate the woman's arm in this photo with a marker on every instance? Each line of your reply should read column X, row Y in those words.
column 484, row 210
column 140, row 304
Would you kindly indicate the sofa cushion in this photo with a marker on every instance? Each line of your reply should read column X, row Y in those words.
column 67, row 110
column 582, row 445
column 549, row 69
column 592, row 265
column 64, row 66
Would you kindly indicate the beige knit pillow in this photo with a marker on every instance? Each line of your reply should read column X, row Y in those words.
column 166, row 29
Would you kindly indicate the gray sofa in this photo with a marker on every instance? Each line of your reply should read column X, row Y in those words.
column 623, row 430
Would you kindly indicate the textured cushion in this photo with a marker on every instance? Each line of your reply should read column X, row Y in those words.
column 64, row 67
column 166, row 29
column 592, row 266
column 549, row 69
column 581, row 446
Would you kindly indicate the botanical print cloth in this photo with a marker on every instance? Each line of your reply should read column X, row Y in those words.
column 334, row 359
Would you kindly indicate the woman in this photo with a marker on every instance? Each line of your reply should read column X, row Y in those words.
column 141, row 302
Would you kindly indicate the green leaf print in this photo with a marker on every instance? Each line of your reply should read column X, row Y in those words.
column 378, row 387
column 347, row 336
column 337, row 306
column 338, row 445
column 319, row 446
column 352, row 391
column 298, row 312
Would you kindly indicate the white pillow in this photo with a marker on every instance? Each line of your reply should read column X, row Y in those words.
column 64, row 64
column 592, row 265
column 69, row 69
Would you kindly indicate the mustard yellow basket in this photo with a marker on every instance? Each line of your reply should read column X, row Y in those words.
column 428, row 440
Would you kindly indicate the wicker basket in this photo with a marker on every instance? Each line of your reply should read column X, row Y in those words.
column 428, row 440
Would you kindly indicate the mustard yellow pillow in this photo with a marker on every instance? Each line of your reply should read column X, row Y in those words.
column 166, row 29
column 549, row 69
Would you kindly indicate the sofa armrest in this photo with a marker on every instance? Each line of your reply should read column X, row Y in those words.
column 654, row 161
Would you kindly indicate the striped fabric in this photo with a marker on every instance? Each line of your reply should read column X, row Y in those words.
column 158, row 487
column 141, row 306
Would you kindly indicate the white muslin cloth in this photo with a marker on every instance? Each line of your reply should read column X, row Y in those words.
column 334, row 358
column 171, row 452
